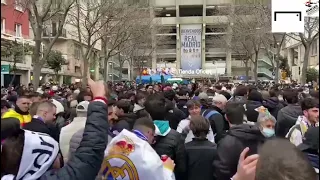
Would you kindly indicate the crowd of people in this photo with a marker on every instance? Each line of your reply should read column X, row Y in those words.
column 160, row 131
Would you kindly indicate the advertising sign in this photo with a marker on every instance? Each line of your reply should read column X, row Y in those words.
column 190, row 36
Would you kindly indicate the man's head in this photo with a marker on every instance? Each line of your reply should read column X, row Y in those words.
column 84, row 96
column 35, row 97
column 82, row 109
column 146, row 127
column 123, row 107
column 199, row 126
column 5, row 106
column 235, row 113
column 111, row 111
column 291, row 96
column 220, row 101
column 194, row 107
column 23, row 103
column 47, row 111
column 155, row 105
column 149, row 88
column 288, row 163
column 310, row 108
column 140, row 98
column 33, row 108
column 156, row 88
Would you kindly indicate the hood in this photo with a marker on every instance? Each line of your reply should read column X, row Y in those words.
column 271, row 103
column 79, row 119
column 137, row 108
column 247, row 132
column 162, row 127
column 292, row 112
column 253, row 104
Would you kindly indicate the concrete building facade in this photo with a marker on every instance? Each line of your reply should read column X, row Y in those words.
column 212, row 17
column 295, row 51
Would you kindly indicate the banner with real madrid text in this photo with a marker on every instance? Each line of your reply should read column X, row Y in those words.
column 190, row 37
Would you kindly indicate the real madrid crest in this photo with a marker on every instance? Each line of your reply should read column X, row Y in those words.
column 117, row 164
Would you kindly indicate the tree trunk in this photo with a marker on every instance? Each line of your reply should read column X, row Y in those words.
column 104, row 59
column 36, row 59
column 13, row 78
column 36, row 74
column 255, row 69
column 305, row 64
column 84, row 81
column 276, row 69
column 247, row 70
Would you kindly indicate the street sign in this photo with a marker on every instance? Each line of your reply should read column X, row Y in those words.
column 5, row 69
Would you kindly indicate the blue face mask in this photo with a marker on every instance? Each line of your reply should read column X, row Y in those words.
column 268, row 132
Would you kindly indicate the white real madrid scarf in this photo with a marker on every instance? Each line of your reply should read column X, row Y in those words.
column 39, row 153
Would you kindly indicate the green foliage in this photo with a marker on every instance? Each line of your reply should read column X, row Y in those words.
column 55, row 61
column 13, row 48
column 312, row 74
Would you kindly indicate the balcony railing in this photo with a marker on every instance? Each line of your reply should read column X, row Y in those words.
column 54, row 33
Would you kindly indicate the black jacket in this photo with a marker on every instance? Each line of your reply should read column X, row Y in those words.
column 87, row 160
column 181, row 104
column 274, row 105
column 172, row 145
column 125, row 121
column 174, row 115
column 200, row 154
column 217, row 123
column 38, row 125
column 251, row 113
column 230, row 147
column 286, row 118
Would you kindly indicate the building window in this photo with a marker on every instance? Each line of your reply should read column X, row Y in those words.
column 18, row 5
column 3, row 25
column 18, row 30
column 77, row 51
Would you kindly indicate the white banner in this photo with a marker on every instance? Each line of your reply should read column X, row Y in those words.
column 190, row 37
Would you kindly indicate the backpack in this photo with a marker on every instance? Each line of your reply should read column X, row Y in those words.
column 211, row 113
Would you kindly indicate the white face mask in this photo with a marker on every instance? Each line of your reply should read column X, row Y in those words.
column 268, row 132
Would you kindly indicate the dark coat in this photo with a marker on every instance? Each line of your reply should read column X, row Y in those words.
column 172, row 145
column 200, row 154
column 125, row 121
column 273, row 105
column 38, row 125
column 87, row 160
column 230, row 147
column 287, row 118
column 217, row 122
column 174, row 115
column 251, row 113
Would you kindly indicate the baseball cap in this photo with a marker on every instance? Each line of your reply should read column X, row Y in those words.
column 310, row 140
column 203, row 96
column 82, row 106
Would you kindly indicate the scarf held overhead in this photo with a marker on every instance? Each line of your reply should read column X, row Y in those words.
column 39, row 153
